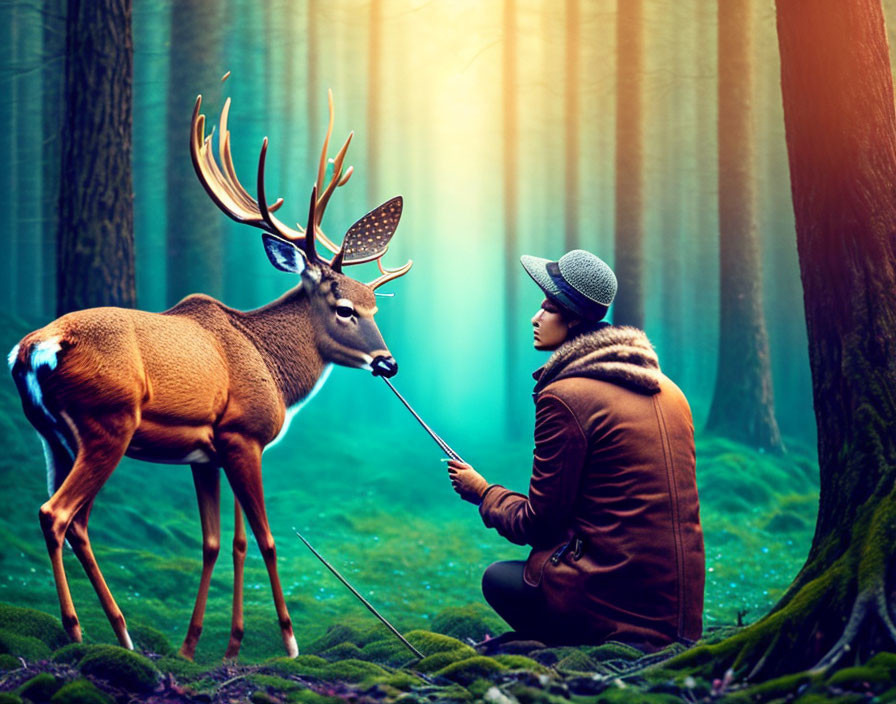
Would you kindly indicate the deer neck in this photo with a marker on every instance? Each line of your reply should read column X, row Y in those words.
column 283, row 331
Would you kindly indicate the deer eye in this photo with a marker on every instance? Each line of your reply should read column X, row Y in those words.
column 344, row 310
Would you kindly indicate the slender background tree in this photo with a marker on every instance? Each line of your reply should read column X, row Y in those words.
column 194, row 232
column 628, row 308
column 743, row 404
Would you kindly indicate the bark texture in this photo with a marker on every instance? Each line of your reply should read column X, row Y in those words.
column 743, row 404
column 96, row 213
column 841, row 141
column 628, row 308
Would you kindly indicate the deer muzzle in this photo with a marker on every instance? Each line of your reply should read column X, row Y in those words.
column 384, row 366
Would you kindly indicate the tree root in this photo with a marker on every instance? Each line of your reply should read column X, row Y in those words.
column 764, row 659
column 869, row 603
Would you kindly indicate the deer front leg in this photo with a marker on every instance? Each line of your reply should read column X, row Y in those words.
column 207, row 479
column 242, row 464
column 240, row 545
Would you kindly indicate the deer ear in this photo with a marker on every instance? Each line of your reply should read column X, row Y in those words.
column 283, row 255
column 368, row 238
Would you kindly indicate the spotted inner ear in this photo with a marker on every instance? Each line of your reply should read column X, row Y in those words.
column 369, row 238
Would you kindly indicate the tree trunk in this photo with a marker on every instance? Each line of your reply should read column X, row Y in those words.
column 742, row 406
column 841, row 140
column 705, row 241
column 628, row 308
column 194, row 230
column 52, row 72
column 96, row 210
column 571, row 116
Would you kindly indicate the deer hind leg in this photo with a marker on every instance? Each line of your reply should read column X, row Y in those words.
column 207, row 479
column 242, row 464
column 77, row 537
column 102, row 442
column 240, row 545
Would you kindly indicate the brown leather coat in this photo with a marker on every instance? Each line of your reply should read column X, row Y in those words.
column 614, row 467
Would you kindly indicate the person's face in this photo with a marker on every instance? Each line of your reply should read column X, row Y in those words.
column 550, row 329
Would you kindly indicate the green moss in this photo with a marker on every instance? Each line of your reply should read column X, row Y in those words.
column 9, row 662
column 471, row 622
column 123, row 668
column 80, row 692
column 150, row 640
column 773, row 689
column 10, row 698
column 71, row 653
column 387, row 652
column 468, row 670
column 353, row 671
column 856, row 677
column 40, row 687
column 343, row 651
column 453, row 692
column 576, row 661
column 826, row 698
column 36, row 624
column 308, row 696
column 437, row 661
column 302, row 666
column 520, row 662
column 23, row 646
column 335, row 635
column 402, row 680
column 428, row 642
column 885, row 660
column 181, row 668
column 611, row 650
column 630, row 695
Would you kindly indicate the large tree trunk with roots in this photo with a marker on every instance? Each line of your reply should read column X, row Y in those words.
column 841, row 139
column 742, row 405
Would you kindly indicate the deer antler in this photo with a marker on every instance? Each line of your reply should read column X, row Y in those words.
column 367, row 240
column 389, row 274
column 222, row 184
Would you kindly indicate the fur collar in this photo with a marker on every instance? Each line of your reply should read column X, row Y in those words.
column 621, row 355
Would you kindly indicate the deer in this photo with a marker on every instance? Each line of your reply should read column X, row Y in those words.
column 203, row 384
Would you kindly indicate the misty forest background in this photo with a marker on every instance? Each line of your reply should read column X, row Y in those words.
column 509, row 127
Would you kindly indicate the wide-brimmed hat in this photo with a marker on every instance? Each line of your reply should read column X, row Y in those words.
column 579, row 281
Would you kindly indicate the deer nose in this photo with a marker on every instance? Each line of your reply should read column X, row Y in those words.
column 384, row 366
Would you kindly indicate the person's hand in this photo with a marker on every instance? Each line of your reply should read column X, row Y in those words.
column 466, row 481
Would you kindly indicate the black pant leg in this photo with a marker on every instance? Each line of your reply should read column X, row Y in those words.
column 520, row 605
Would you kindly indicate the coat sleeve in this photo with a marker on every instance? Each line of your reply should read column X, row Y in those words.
column 540, row 519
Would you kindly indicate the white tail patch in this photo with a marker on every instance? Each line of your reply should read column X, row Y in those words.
column 12, row 356
column 43, row 354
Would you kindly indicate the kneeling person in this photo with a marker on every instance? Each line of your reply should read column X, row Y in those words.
column 612, row 513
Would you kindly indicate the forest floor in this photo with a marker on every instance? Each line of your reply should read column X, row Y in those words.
column 413, row 549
